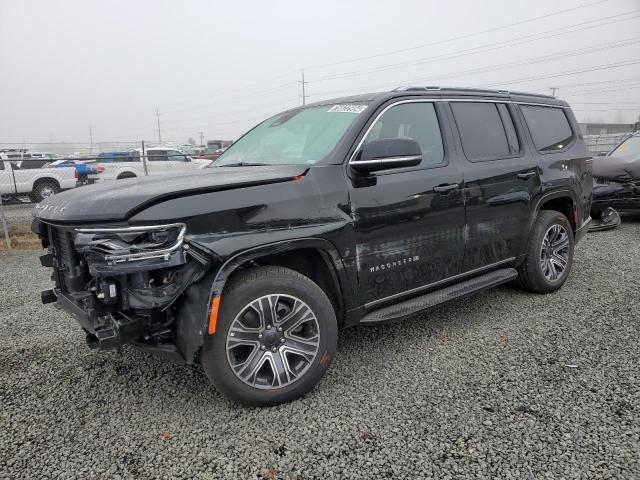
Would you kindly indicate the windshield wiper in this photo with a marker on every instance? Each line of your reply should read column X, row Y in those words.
column 244, row 164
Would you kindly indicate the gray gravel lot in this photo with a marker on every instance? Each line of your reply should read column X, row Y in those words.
column 16, row 214
column 500, row 385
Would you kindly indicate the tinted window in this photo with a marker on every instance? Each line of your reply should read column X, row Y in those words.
column 31, row 164
column 549, row 127
column 1, row 165
column 412, row 120
column 157, row 155
column 481, row 130
column 126, row 157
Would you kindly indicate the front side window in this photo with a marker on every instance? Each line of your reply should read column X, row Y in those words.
column 482, row 130
column 628, row 150
column 549, row 127
column 302, row 136
column 176, row 156
column 418, row 121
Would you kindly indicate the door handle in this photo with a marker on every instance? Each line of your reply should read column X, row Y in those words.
column 527, row 175
column 446, row 188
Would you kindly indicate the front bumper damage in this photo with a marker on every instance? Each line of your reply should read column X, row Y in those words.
column 123, row 285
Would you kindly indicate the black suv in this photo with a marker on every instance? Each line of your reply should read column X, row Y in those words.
column 359, row 210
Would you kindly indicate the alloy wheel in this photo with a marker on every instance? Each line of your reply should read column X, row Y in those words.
column 46, row 191
column 273, row 341
column 554, row 255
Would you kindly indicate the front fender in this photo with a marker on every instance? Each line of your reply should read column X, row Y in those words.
column 194, row 314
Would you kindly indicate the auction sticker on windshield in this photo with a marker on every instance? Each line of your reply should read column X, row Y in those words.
column 348, row 108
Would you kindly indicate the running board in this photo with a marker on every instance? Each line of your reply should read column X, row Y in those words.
column 428, row 300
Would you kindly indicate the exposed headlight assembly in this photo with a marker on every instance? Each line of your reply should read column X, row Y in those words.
column 130, row 244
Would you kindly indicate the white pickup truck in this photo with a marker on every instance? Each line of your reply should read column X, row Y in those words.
column 38, row 183
column 119, row 165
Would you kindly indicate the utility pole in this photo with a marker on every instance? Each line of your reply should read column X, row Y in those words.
column 553, row 90
column 201, row 138
column 158, row 119
column 303, row 83
column 90, row 138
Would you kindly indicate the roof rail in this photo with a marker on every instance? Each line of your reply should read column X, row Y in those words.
column 485, row 91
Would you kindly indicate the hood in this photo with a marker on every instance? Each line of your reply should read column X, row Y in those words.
column 115, row 200
column 616, row 169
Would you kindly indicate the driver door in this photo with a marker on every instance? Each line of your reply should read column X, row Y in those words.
column 409, row 222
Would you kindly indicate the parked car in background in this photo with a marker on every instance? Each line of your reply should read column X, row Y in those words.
column 83, row 170
column 25, row 160
column 215, row 148
column 616, row 182
column 359, row 210
column 130, row 164
column 38, row 183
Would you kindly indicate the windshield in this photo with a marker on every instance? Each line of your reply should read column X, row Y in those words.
column 629, row 149
column 302, row 136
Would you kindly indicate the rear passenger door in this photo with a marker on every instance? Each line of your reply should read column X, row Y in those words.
column 157, row 162
column 409, row 222
column 501, row 179
column 178, row 162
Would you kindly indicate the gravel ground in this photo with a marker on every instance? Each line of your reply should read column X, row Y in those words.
column 16, row 214
column 500, row 385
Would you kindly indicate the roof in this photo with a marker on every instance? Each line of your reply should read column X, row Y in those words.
column 446, row 92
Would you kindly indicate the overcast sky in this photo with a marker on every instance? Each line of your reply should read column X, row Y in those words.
column 220, row 67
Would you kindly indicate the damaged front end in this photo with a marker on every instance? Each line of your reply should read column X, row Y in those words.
column 616, row 188
column 122, row 284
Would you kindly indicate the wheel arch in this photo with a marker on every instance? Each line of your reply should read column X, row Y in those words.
column 53, row 180
column 562, row 201
column 317, row 259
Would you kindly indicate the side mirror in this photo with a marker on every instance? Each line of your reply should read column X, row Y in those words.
column 388, row 153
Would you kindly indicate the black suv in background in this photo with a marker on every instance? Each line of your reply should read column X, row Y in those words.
column 359, row 210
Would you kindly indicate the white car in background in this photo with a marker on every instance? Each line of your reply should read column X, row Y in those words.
column 130, row 164
column 38, row 183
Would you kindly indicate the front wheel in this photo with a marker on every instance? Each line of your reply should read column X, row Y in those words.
column 44, row 189
column 549, row 253
column 275, row 337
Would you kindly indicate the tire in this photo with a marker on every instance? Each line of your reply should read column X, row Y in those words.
column 44, row 189
column 540, row 271
column 122, row 176
column 262, row 386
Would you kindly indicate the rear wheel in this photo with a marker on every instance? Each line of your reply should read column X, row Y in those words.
column 549, row 253
column 275, row 337
column 44, row 189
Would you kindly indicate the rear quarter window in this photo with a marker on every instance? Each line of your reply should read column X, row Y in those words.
column 549, row 127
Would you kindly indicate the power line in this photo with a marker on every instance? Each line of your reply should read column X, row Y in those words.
column 461, row 37
column 556, row 32
column 634, row 61
column 589, row 92
column 226, row 99
column 234, row 111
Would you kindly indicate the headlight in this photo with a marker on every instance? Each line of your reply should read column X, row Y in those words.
column 129, row 244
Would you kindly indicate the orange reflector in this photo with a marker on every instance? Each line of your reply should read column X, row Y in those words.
column 213, row 316
column 298, row 177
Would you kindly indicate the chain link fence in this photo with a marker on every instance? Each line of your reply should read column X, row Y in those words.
column 603, row 144
column 27, row 177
